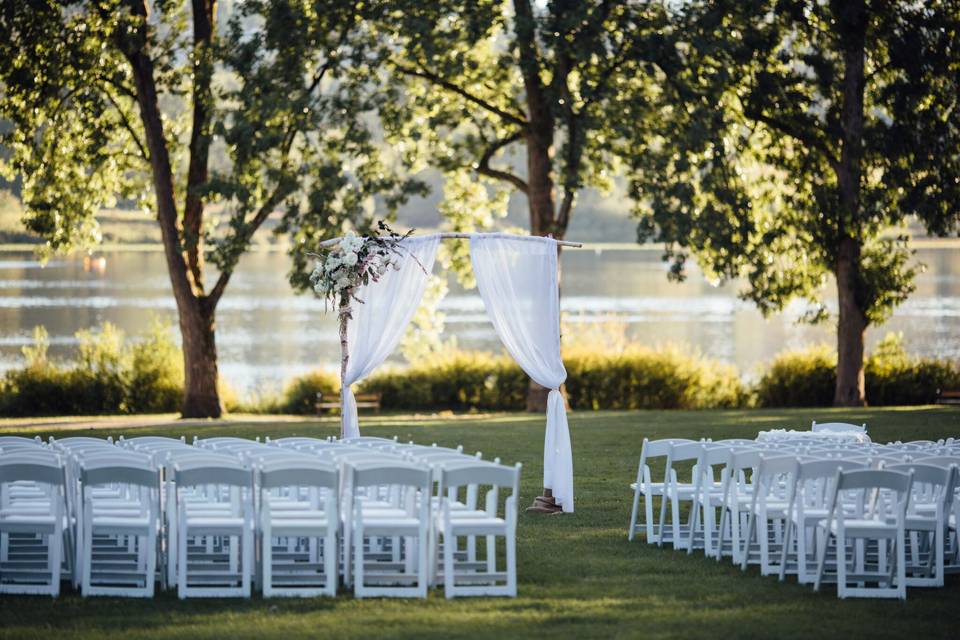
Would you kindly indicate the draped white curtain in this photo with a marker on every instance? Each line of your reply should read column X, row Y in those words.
column 378, row 324
column 517, row 279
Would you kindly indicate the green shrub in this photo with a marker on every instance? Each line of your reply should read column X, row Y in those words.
column 155, row 383
column 894, row 378
column 640, row 378
column 457, row 380
column 109, row 376
column 807, row 378
column 300, row 396
column 636, row 379
column 803, row 378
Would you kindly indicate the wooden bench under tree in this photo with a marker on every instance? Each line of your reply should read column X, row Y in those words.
column 951, row 396
column 364, row 401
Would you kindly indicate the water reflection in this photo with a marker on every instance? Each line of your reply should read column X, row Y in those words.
column 267, row 334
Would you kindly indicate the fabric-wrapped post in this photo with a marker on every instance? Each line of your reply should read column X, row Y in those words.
column 517, row 279
column 378, row 325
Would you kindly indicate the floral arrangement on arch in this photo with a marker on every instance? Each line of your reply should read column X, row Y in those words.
column 353, row 262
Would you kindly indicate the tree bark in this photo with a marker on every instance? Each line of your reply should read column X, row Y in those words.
column 852, row 323
column 201, row 398
column 851, row 327
column 203, row 27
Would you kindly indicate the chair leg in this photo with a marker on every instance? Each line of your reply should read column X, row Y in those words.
column 634, row 513
column 358, row 590
column 841, row 544
column 266, row 562
column 901, row 568
column 822, row 560
column 449, row 578
column 511, row 540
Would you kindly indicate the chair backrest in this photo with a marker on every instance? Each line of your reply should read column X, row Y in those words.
column 384, row 472
column 658, row 448
column 746, row 458
column 686, row 451
column 4, row 440
column 927, row 474
column 874, row 479
column 93, row 473
column 837, row 427
column 206, row 472
column 482, row 473
column 938, row 461
column 299, row 474
column 46, row 472
column 818, row 469
column 774, row 465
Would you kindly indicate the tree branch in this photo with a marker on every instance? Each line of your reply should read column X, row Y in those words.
column 788, row 129
column 126, row 125
column 200, row 138
column 484, row 168
column 279, row 193
column 463, row 93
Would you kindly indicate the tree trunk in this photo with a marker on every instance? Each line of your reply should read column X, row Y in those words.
column 201, row 397
column 850, row 390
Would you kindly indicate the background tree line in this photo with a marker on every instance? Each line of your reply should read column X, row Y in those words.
column 777, row 141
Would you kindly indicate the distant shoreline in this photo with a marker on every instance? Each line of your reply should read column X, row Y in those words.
column 117, row 247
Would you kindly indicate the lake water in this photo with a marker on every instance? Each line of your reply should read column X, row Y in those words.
column 267, row 334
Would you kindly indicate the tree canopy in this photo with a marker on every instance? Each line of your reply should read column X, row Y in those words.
column 118, row 98
column 797, row 140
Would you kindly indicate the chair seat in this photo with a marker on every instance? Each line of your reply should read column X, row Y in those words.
column 113, row 522
column 390, row 525
column 857, row 528
column 212, row 524
column 28, row 523
column 297, row 525
column 921, row 523
column 475, row 526
column 651, row 489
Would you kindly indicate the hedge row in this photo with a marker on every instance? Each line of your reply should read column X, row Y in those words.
column 146, row 376
column 807, row 378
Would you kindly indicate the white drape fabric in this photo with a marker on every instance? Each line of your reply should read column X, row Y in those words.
column 517, row 279
column 378, row 324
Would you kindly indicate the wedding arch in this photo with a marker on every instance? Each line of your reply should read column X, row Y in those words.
column 517, row 279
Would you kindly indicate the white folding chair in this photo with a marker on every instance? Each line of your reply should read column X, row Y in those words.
column 32, row 522
column 128, row 515
column 736, row 502
column 775, row 479
column 808, row 505
column 412, row 485
column 307, row 502
column 454, row 521
column 213, row 501
column 678, row 495
column 645, row 488
column 879, row 514
column 927, row 521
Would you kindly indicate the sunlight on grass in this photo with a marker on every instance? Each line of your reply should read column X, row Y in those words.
column 579, row 576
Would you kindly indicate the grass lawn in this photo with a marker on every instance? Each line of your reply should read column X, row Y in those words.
column 579, row 577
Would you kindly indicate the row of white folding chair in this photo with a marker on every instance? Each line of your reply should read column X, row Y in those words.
column 463, row 509
column 799, row 525
column 168, row 452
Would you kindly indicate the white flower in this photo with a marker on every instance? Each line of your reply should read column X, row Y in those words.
column 342, row 283
column 350, row 258
column 346, row 242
